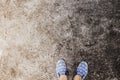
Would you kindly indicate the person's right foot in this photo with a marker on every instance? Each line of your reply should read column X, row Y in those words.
column 61, row 68
column 82, row 69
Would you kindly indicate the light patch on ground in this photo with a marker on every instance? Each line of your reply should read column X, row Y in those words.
column 27, row 52
column 1, row 52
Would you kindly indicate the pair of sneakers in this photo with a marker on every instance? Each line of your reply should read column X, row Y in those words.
column 82, row 69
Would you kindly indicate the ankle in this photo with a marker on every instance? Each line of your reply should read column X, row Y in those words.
column 63, row 77
column 77, row 77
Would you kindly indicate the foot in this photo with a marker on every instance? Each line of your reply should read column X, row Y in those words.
column 61, row 68
column 82, row 69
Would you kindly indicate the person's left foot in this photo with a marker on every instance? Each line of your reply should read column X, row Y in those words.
column 61, row 68
column 82, row 69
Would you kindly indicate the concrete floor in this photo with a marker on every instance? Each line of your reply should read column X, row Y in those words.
column 35, row 34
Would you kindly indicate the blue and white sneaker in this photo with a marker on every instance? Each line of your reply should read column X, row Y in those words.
column 82, row 69
column 61, row 68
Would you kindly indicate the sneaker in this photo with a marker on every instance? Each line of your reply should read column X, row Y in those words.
column 61, row 68
column 82, row 69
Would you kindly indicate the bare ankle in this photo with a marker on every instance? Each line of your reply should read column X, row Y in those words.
column 63, row 77
column 77, row 77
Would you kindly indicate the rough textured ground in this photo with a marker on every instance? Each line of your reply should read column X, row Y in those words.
column 35, row 34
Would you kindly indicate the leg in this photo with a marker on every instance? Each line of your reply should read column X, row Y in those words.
column 63, row 77
column 61, row 70
column 77, row 77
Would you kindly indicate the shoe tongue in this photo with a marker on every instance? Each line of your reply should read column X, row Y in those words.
column 80, row 73
column 63, row 73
